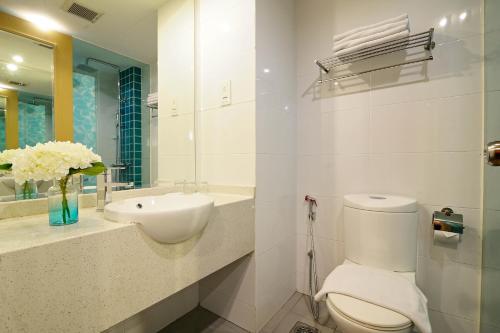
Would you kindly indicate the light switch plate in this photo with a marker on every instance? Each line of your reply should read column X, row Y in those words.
column 226, row 93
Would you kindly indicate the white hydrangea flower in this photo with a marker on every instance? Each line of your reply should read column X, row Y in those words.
column 8, row 156
column 52, row 160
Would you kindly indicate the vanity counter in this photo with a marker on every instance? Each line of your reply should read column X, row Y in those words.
column 94, row 274
column 31, row 231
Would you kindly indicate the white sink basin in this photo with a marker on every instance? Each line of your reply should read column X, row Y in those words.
column 170, row 218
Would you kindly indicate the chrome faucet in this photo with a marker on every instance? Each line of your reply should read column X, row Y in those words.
column 104, row 188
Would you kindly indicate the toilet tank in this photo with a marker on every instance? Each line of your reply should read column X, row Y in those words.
column 381, row 231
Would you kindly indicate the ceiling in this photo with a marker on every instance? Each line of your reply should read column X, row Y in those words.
column 128, row 27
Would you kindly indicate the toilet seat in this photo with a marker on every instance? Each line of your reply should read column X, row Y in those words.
column 367, row 314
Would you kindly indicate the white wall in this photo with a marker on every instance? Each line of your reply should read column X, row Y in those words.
column 176, row 154
column 276, row 156
column 413, row 131
column 226, row 51
column 250, row 143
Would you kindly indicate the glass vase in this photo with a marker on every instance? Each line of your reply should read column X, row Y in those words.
column 27, row 190
column 63, row 202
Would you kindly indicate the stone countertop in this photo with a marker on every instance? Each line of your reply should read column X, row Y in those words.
column 30, row 231
column 90, row 276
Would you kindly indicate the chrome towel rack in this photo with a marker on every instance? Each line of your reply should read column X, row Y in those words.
column 331, row 64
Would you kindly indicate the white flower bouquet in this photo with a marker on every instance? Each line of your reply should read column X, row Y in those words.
column 52, row 161
column 27, row 190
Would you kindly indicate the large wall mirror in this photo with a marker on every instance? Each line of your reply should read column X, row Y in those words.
column 26, row 73
column 57, row 87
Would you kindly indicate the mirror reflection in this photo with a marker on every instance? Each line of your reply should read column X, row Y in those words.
column 110, row 112
column 26, row 102
column 26, row 72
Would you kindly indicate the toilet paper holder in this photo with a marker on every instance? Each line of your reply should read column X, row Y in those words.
column 447, row 220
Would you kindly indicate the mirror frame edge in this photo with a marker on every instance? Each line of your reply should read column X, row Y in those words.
column 63, row 71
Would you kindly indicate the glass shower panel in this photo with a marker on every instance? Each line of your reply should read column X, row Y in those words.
column 490, row 294
column 84, row 105
column 35, row 122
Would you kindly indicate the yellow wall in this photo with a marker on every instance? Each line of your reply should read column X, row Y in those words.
column 11, row 119
column 63, row 70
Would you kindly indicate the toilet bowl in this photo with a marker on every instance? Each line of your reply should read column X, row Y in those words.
column 353, row 315
column 380, row 231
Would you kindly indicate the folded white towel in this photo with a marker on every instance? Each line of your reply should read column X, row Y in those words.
column 404, row 24
column 380, row 287
column 341, row 36
column 370, row 37
column 374, row 42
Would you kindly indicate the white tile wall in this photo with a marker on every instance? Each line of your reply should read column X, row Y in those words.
column 226, row 51
column 176, row 85
column 276, row 159
column 414, row 131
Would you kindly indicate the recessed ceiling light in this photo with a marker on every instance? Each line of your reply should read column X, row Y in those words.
column 463, row 16
column 43, row 22
column 18, row 58
column 266, row 70
column 443, row 22
column 12, row 67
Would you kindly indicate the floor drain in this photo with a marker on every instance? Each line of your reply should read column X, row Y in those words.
column 301, row 327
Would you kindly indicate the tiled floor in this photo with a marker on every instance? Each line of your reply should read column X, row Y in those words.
column 296, row 309
column 202, row 321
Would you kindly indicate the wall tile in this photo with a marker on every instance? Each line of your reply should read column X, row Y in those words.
column 450, row 287
column 461, row 172
column 457, row 123
column 228, row 130
column 402, row 174
column 404, row 127
column 445, row 323
column 275, row 279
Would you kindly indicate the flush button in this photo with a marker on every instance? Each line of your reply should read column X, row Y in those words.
column 374, row 197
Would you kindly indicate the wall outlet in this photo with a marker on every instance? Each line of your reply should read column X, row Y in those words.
column 226, row 93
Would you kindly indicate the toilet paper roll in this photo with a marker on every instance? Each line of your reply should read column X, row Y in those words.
column 446, row 237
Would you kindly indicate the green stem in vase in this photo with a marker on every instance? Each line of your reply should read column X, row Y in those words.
column 25, row 190
column 63, row 183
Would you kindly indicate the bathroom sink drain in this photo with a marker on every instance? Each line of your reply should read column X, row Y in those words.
column 301, row 327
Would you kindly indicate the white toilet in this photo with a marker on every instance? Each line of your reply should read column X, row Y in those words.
column 380, row 231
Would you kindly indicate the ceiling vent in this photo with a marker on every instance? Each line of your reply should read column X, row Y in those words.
column 81, row 11
column 16, row 83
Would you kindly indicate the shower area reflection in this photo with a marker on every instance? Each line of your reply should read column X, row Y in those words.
column 108, row 90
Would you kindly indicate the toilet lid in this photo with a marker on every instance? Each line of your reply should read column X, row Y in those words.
column 367, row 314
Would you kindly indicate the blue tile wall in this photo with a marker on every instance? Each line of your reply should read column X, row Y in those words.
column 130, row 124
